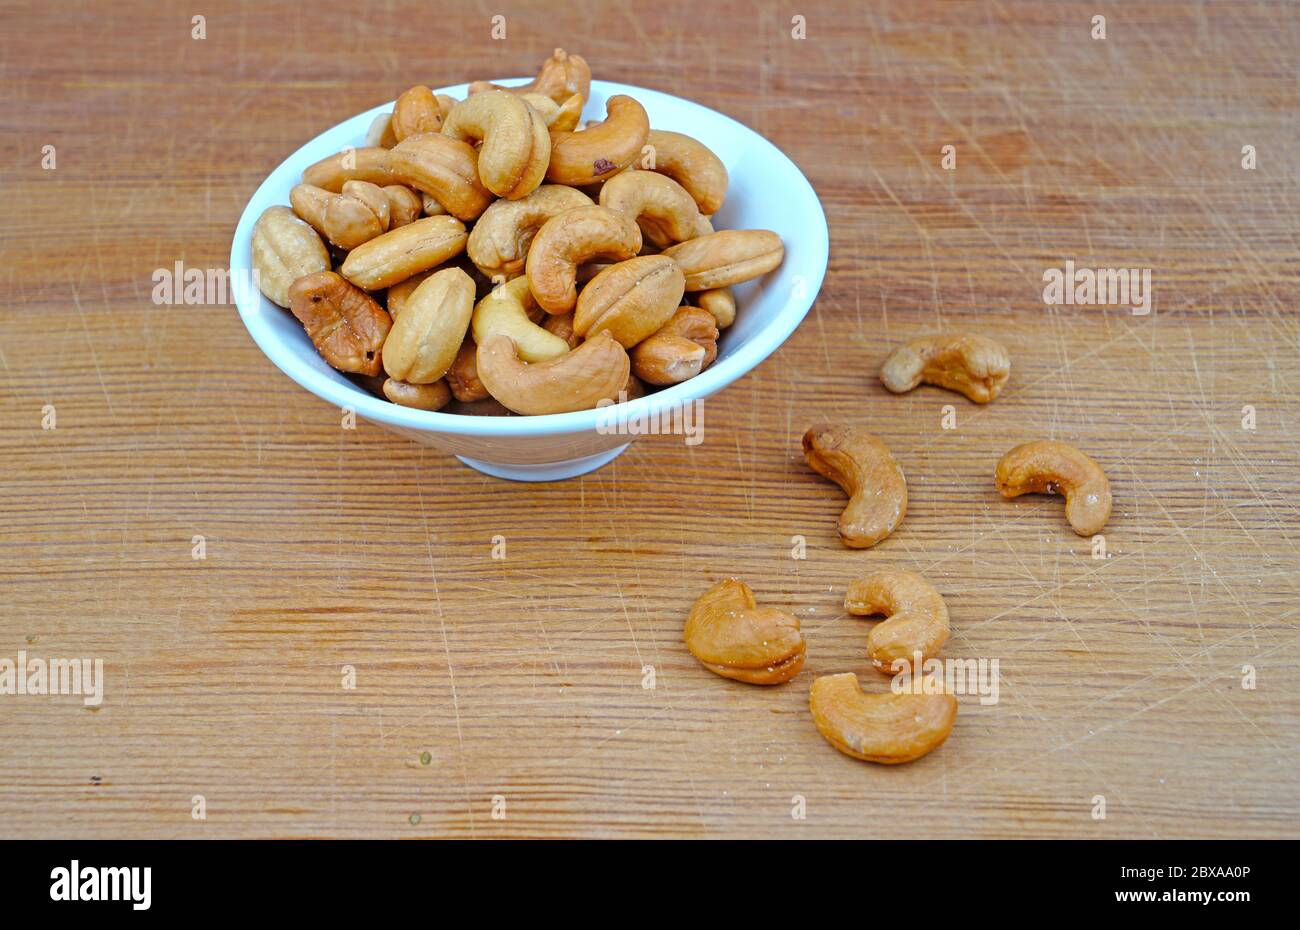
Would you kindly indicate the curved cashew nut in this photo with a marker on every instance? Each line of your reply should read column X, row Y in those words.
column 592, row 372
column 733, row 637
column 505, row 311
column 728, row 257
column 516, row 144
column 662, row 208
column 498, row 244
column 358, row 214
column 860, row 464
column 416, row 110
column 443, row 167
column 691, row 164
column 973, row 365
column 365, row 164
column 426, row 336
column 597, row 153
column 570, row 239
column 420, row 396
column 1051, row 467
column 719, row 301
column 916, row 617
column 885, row 728
column 680, row 350
column 630, row 300
column 561, row 77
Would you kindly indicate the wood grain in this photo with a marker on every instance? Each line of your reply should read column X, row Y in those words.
column 523, row 677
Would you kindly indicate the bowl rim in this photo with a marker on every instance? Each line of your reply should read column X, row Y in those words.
column 714, row 378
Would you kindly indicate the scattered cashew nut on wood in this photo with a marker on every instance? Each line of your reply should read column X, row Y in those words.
column 970, row 364
column 1048, row 466
column 733, row 637
column 866, row 471
column 916, row 618
column 885, row 728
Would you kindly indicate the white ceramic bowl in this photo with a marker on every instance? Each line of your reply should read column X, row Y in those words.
column 767, row 191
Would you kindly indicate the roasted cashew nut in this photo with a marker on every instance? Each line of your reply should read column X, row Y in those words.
column 916, row 624
column 662, row 208
column 885, row 728
column 557, row 116
column 580, row 380
column 505, row 311
column 404, row 205
column 561, row 77
column 516, row 145
column 680, row 350
column 431, row 328
column 416, row 110
column 973, row 365
column 594, row 154
column 630, row 300
column 1051, row 467
column 720, row 302
column 571, row 239
column 443, row 167
column 691, row 164
column 358, row 214
column 366, row 164
column 863, row 467
column 399, row 253
column 498, row 244
column 728, row 257
column 284, row 250
column 418, row 396
column 733, row 637
column 462, row 377
column 345, row 324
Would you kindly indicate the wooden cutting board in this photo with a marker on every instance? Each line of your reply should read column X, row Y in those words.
column 512, row 697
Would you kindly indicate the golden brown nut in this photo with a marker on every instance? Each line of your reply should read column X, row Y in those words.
column 443, row 167
column 556, row 116
column 720, row 302
column 357, row 215
column 561, row 77
column 602, row 151
column 885, row 728
column 728, row 257
column 420, row 396
column 593, row 372
column 570, row 239
column 364, row 164
column 516, row 146
column 431, row 328
column 285, row 249
column 402, row 252
column 976, row 366
column 505, row 311
column 691, row 164
column 655, row 202
column 561, row 324
column 462, row 377
column 498, row 244
column 416, row 111
column 916, row 624
column 404, row 205
column 733, row 637
column 680, row 350
column 399, row 292
column 630, row 300
column 344, row 323
column 862, row 466
column 1048, row 466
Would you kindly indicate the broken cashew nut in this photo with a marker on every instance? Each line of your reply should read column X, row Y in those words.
column 733, row 637
column 864, row 468
column 516, row 146
column 972, row 365
column 594, row 154
column 916, row 624
column 579, row 380
column 680, row 350
column 885, row 728
column 719, row 301
column 1051, row 467
column 505, row 311
column 663, row 209
column 498, row 244
column 570, row 239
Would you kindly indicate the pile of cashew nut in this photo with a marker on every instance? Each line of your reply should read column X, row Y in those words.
column 730, row 635
column 493, row 252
